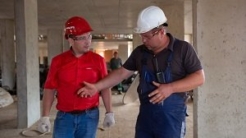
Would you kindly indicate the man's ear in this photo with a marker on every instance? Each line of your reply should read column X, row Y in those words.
column 163, row 31
column 70, row 41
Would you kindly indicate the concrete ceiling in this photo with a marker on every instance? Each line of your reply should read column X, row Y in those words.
column 105, row 16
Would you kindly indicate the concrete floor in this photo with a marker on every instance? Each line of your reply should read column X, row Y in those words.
column 125, row 116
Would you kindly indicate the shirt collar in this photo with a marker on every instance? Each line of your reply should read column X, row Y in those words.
column 171, row 41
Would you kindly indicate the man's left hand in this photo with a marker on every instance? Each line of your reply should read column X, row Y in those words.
column 161, row 93
column 109, row 120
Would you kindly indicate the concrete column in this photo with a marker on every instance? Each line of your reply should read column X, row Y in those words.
column 219, row 35
column 55, row 43
column 0, row 51
column 28, row 92
column 8, row 53
column 43, row 52
column 0, row 54
column 175, row 18
column 137, row 41
column 65, row 44
column 123, row 51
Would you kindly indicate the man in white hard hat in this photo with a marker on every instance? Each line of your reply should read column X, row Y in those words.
column 168, row 69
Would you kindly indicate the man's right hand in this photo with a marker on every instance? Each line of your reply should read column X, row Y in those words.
column 44, row 125
column 88, row 90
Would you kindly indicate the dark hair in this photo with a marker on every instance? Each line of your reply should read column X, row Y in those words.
column 165, row 24
column 69, row 36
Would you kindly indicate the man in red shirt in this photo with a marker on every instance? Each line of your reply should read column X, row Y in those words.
column 77, row 117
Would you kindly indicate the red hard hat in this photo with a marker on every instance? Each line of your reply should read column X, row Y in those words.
column 76, row 26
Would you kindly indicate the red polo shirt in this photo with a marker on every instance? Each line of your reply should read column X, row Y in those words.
column 67, row 74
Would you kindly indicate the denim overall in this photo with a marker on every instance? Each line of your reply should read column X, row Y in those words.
column 165, row 120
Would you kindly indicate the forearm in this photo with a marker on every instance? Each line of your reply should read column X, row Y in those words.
column 189, row 82
column 114, row 78
column 107, row 100
column 48, row 100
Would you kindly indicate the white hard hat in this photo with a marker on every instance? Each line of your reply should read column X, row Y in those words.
column 149, row 18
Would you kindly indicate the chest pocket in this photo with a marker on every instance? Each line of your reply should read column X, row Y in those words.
column 147, row 77
column 88, row 74
column 77, row 75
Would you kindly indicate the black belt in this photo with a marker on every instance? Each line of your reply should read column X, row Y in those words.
column 80, row 111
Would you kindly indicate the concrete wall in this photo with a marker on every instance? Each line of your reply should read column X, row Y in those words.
column 220, row 32
column 175, row 18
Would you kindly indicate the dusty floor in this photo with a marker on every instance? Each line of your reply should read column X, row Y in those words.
column 125, row 116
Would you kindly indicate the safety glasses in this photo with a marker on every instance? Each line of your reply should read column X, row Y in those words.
column 151, row 35
column 83, row 38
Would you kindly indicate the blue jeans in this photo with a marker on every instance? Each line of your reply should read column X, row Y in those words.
column 82, row 125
